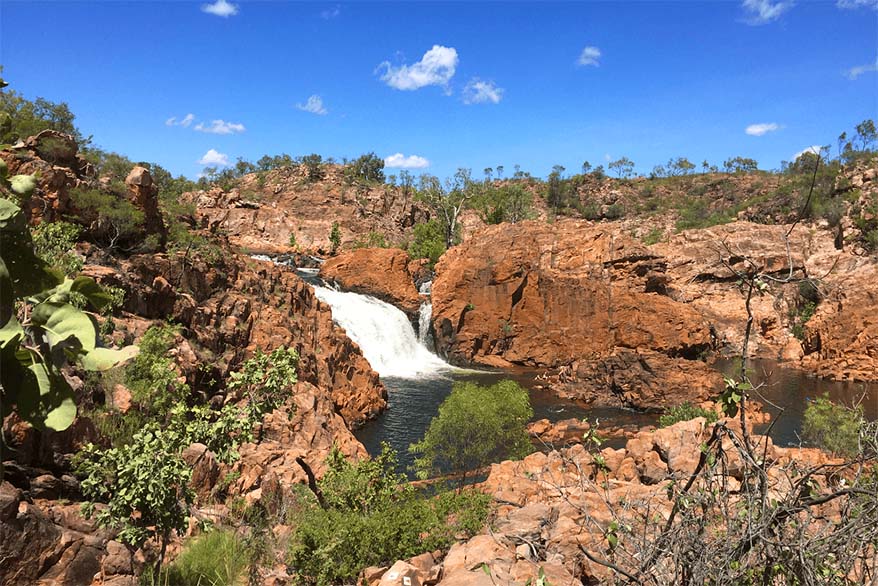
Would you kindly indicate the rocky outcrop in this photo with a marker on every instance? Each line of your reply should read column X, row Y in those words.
column 841, row 340
column 264, row 210
column 552, row 507
column 379, row 272
column 144, row 194
column 637, row 379
column 231, row 305
column 546, row 294
column 53, row 156
column 307, row 428
column 46, row 543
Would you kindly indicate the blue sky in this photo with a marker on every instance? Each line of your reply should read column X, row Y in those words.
column 450, row 84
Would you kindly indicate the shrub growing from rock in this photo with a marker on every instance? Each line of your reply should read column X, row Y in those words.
column 476, row 426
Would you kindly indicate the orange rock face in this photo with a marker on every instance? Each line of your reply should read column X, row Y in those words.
column 545, row 294
column 842, row 338
column 379, row 272
column 235, row 305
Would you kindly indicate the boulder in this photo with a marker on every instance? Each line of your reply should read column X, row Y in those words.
column 379, row 272
column 143, row 193
column 542, row 294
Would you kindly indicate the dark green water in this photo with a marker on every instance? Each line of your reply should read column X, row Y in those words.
column 413, row 403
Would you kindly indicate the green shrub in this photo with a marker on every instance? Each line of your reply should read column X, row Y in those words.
column 152, row 376
column 217, row 558
column 145, row 485
column 428, row 242
column 371, row 240
column 799, row 317
column 686, row 412
column 334, row 237
column 833, row 427
column 475, row 426
column 54, row 242
column 266, row 380
column 371, row 519
column 653, row 236
column 114, row 220
column 292, row 240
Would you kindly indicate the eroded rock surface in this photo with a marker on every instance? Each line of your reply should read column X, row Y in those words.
column 379, row 272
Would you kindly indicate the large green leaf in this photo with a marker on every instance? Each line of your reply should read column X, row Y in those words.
column 10, row 336
column 42, row 398
column 85, row 286
column 28, row 273
column 107, row 358
column 7, row 295
column 23, row 185
column 62, row 322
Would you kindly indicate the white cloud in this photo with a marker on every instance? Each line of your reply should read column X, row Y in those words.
column 214, row 158
column 855, row 72
column 330, row 13
column 222, row 8
column 314, row 105
column 589, row 56
column 436, row 67
column 764, row 11
column 187, row 120
column 481, row 92
column 763, row 128
column 811, row 149
column 401, row 161
column 854, row 4
column 220, row 127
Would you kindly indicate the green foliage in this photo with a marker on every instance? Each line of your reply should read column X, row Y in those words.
column 24, row 118
column 740, row 165
column 144, row 485
column 371, row 520
column 428, row 241
column 733, row 395
column 696, row 214
column 114, row 220
column 335, row 237
column 152, row 376
column 313, row 164
column 54, row 242
column 371, row 240
column 654, row 236
column 476, row 426
column 833, row 427
column 266, row 379
column 216, row 558
column 799, row 316
column 292, row 241
column 368, row 168
column 623, row 167
column 509, row 202
column 686, row 412
column 55, row 332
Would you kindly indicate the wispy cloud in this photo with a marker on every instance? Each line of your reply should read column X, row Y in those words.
column 436, row 67
column 220, row 127
column 855, row 72
column 589, row 56
column 187, row 120
column 761, row 129
column 854, row 4
column 330, row 13
column 814, row 149
column 400, row 161
column 481, row 92
column 764, row 11
column 214, row 158
column 314, row 105
column 222, row 8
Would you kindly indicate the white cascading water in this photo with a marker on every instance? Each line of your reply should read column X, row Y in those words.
column 384, row 334
column 425, row 314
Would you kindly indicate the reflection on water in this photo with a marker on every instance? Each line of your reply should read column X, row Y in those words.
column 414, row 402
column 789, row 390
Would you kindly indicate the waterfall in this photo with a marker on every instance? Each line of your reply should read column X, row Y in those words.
column 425, row 313
column 384, row 334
